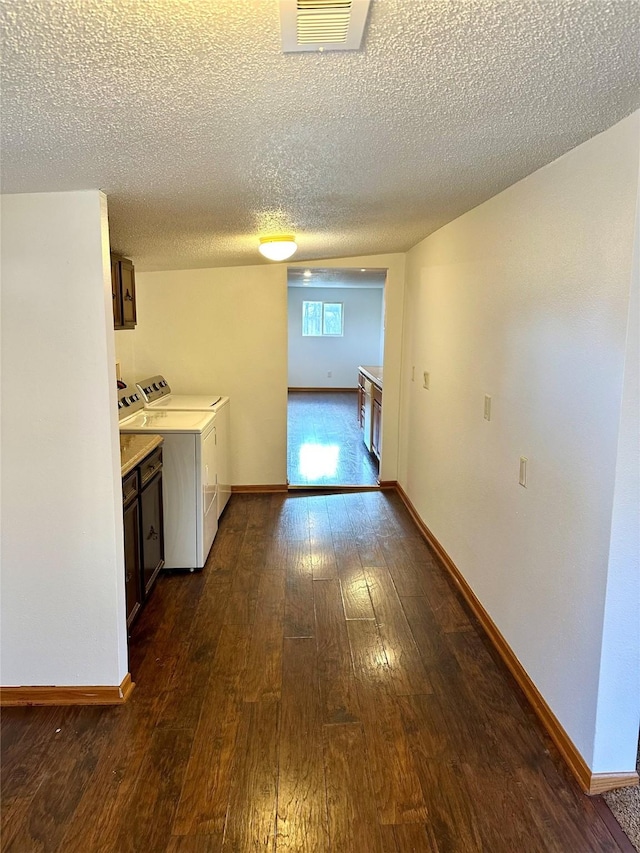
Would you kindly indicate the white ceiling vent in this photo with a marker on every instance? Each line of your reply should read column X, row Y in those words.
column 322, row 24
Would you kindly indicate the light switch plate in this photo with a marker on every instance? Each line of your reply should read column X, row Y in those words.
column 487, row 407
column 523, row 471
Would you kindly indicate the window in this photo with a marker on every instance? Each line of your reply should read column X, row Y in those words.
column 322, row 318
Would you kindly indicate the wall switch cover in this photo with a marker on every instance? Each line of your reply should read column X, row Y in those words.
column 523, row 471
column 487, row 407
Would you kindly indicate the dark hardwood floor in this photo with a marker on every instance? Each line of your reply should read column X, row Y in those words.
column 324, row 443
column 318, row 687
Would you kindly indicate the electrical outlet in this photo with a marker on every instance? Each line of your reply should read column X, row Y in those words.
column 523, row 471
column 426, row 379
column 329, row 373
column 487, row 407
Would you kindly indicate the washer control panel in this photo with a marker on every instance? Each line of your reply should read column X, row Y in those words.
column 154, row 388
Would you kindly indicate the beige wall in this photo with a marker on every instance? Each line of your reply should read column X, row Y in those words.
column 224, row 331
column 526, row 298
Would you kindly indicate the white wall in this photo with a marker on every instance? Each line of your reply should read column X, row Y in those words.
column 63, row 602
column 224, row 331
column 526, row 298
column 312, row 358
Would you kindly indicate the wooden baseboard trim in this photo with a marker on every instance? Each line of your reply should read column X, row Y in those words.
column 260, row 488
column 601, row 782
column 388, row 484
column 324, row 390
column 76, row 695
column 591, row 783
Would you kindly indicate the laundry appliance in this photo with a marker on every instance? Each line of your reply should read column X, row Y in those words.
column 189, row 475
column 158, row 396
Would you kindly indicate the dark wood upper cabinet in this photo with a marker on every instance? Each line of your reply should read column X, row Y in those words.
column 123, row 291
column 116, row 296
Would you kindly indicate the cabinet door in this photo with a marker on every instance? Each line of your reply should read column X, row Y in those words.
column 132, row 560
column 152, row 532
column 376, row 418
column 128, row 285
column 116, row 293
column 360, row 400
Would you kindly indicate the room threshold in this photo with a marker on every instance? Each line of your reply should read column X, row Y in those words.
column 332, row 488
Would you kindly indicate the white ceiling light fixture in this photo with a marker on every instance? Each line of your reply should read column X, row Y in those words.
column 278, row 247
column 310, row 25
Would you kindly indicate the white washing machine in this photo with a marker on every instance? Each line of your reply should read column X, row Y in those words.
column 158, row 396
column 189, row 484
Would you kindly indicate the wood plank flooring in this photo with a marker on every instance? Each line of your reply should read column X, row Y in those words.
column 318, row 687
column 325, row 446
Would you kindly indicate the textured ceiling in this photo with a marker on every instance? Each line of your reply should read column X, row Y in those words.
column 204, row 135
column 315, row 276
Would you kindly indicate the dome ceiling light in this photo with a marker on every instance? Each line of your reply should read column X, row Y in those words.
column 278, row 248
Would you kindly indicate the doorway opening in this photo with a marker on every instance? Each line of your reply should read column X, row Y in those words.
column 336, row 329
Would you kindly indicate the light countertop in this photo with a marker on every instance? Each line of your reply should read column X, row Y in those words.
column 372, row 372
column 134, row 447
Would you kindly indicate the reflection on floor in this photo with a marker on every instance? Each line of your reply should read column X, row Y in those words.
column 325, row 446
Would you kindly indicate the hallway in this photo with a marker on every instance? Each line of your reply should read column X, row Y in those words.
column 318, row 687
column 324, row 443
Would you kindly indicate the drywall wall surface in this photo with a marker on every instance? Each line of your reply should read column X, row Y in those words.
column 125, row 351
column 392, row 356
column 618, row 713
column 223, row 331
column 63, row 602
column 312, row 359
column 526, row 299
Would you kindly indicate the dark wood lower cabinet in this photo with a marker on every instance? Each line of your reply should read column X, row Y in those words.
column 152, row 532
column 143, row 532
column 132, row 559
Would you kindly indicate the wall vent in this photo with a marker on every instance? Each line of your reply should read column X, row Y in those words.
column 311, row 25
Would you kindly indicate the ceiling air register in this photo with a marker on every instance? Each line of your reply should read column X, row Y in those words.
column 316, row 25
